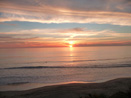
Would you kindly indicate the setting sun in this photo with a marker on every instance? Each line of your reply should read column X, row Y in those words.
column 71, row 43
column 70, row 46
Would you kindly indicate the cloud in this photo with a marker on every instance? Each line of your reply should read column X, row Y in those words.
column 61, row 37
column 106, row 43
column 64, row 33
column 28, row 44
column 67, row 11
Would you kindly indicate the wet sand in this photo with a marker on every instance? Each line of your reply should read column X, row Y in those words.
column 115, row 88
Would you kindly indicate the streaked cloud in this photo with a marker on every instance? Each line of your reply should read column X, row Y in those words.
column 61, row 37
column 63, row 33
column 116, row 12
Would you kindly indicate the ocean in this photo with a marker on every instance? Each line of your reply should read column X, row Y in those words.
column 47, row 66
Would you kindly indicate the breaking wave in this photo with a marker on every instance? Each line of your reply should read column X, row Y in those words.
column 93, row 66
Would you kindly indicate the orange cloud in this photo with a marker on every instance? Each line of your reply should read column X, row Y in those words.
column 105, row 43
column 61, row 37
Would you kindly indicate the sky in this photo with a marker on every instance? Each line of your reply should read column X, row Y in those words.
column 63, row 23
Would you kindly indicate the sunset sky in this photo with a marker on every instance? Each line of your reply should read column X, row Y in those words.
column 59, row 23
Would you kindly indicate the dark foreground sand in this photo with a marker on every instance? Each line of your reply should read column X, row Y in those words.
column 117, row 88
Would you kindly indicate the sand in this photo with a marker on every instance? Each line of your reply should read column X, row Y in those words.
column 112, row 89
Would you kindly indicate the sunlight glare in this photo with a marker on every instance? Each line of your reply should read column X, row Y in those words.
column 71, row 43
column 70, row 46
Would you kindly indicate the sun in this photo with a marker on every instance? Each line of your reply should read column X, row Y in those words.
column 71, row 43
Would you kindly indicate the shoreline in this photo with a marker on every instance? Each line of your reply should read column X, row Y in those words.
column 21, row 86
column 29, row 86
column 72, row 90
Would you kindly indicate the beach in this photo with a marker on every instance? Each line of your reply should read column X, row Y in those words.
column 116, row 88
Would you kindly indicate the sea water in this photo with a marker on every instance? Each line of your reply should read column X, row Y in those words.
column 64, row 64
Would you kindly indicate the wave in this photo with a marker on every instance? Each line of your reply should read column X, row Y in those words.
column 93, row 66
column 89, row 60
column 72, row 61
column 17, row 83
